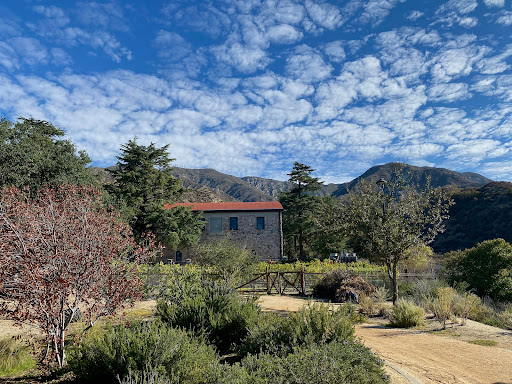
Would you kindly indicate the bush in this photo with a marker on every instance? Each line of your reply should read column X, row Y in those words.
column 340, row 285
column 336, row 362
column 315, row 324
column 465, row 304
column 406, row 314
column 486, row 268
column 15, row 357
column 143, row 347
column 213, row 311
column 443, row 305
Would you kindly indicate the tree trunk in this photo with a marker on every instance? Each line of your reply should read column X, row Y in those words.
column 392, row 274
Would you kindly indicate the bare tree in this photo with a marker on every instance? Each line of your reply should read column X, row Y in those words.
column 62, row 252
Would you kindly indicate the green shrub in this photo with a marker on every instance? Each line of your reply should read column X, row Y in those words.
column 337, row 362
column 15, row 357
column 117, row 351
column 315, row 324
column 215, row 312
column 406, row 314
column 486, row 268
column 147, row 376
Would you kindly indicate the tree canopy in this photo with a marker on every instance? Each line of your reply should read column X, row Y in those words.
column 299, row 207
column 485, row 268
column 33, row 153
column 143, row 184
column 383, row 223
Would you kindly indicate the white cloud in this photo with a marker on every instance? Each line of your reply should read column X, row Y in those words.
column 60, row 57
column 505, row 18
column 284, row 34
column 30, row 50
column 414, row 15
column 496, row 64
column 171, row 45
column 243, row 58
column 335, row 51
column 8, row 56
column 375, row 11
column 324, row 14
column 57, row 15
column 307, row 65
column 106, row 15
column 494, row 3
column 449, row 92
column 459, row 6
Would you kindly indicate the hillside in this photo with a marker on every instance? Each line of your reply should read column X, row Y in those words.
column 479, row 214
column 221, row 183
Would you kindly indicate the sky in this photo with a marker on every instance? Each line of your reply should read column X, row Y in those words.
column 248, row 87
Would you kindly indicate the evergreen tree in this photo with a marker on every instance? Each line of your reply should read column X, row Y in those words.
column 32, row 154
column 143, row 185
column 299, row 206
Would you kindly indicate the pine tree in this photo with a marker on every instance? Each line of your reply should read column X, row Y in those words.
column 299, row 207
column 143, row 185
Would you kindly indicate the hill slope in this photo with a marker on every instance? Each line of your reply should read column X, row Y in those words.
column 223, row 184
column 479, row 214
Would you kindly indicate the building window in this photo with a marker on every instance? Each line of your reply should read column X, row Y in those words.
column 179, row 256
column 215, row 224
column 233, row 223
column 260, row 223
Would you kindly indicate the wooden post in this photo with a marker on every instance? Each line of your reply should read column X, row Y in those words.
column 302, row 280
column 279, row 283
column 267, row 274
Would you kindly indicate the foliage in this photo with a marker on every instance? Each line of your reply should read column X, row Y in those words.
column 213, row 311
column 340, row 284
column 384, row 223
column 32, row 154
column 61, row 252
column 129, row 350
column 171, row 282
column 486, row 268
column 315, row 324
column 470, row 222
column 321, row 266
column 443, row 305
column 417, row 258
column 15, row 357
column 336, row 362
column 406, row 314
column 231, row 260
column 299, row 207
column 143, row 184
column 465, row 304
column 146, row 376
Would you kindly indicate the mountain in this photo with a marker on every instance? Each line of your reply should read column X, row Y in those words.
column 481, row 213
column 439, row 177
column 229, row 186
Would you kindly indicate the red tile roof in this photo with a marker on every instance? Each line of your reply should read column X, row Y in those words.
column 238, row 206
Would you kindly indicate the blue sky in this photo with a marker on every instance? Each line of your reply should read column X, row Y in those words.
column 247, row 87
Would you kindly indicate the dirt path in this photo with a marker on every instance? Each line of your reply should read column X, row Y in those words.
column 428, row 355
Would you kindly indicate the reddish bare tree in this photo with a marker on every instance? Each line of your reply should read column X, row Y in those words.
column 62, row 253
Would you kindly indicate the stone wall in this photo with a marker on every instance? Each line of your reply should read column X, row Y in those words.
column 266, row 243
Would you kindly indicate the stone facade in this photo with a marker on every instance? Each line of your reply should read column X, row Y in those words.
column 257, row 225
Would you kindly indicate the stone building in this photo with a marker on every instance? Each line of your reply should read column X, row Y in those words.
column 257, row 225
